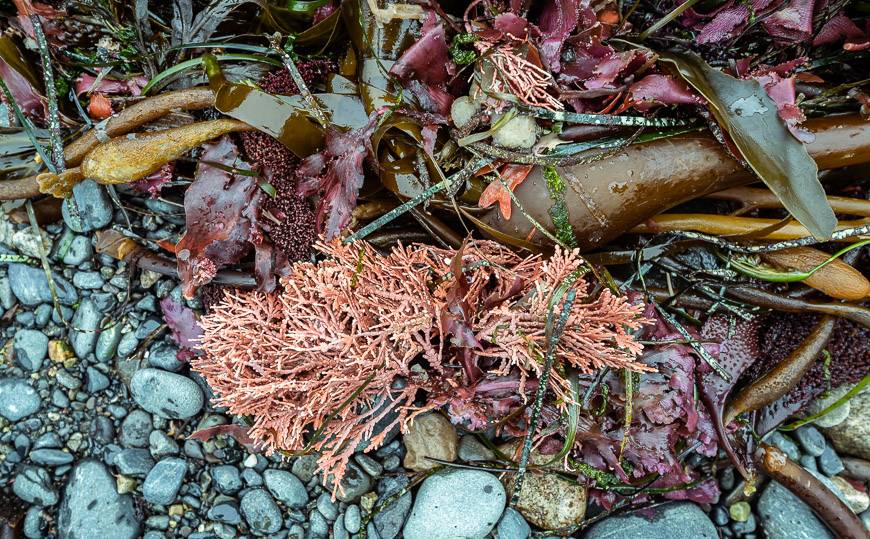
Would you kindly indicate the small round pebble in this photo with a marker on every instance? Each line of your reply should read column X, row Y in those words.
column 135, row 429
column 261, row 512
column 227, row 479
column 286, row 487
column 17, row 399
column 166, row 394
column 512, row 525
column 164, row 480
column 352, row 519
column 812, row 441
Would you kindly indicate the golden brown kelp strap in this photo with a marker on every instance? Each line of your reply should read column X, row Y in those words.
column 785, row 376
column 727, row 225
column 836, row 515
column 753, row 198
column 124, row 122
column 130, row 158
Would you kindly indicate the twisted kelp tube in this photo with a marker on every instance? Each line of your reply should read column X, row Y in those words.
column 834, row 513
column 607, row 197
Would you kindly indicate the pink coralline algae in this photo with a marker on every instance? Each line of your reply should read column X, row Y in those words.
column 353, row 338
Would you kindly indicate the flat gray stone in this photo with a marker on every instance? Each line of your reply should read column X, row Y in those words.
column 812, row 441
column 286, row 487
column 679, row 520
column 512, row 526
column 51, row 457
column 389, row 520
column 166, row 394
column 92, row 507
column 164, row 480
column 261, row 512
column 80, row 250
column 30, row 286
column 456, row 503
column 17, row 399
column 134, row 462
column 93, row 205
column 83, row 331
column 784, row 516
column 30, row 348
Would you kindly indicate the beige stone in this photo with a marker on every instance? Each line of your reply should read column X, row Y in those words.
column 852, row 436
column 856, row 500
column 430, row 435
column 59, row 351
column 546, row 499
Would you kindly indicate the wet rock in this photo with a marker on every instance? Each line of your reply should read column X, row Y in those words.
column 389, row 520
column 305, row 467
column 96, row 380
column 430, row 435
column 50, row 457
column 33, row 485
column 352, row 519
column 135, row 429
column 164, row 356
column 107, row 343
column 225, row 512
column 91, row 207
column 261, row 512
column 79, row 251
column 83, row 334
column 161, row 445
column 227, row 479
column 164, row 480
column 856, row 468
column 88, row 280
column 17, row 399
column 518, row 133
column 857, row 500
column 852, row 436
column 784, row 516
column 812, row 441
column 91, row 506
column 443, row 505
column 166, row 394
column 30, row 348
column 286, row 487
column 30, row 286
column 681, row 520
column 829, row 462
column 835, row 416
column 546, row 499
column 463, row 110
column 327, row 507
column 354, row 484
column 786, row 444
column 34, row 523
column 134, row 462
column 472, row 450
column 512, row 526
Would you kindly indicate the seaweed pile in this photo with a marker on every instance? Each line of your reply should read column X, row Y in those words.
column 566, row 222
